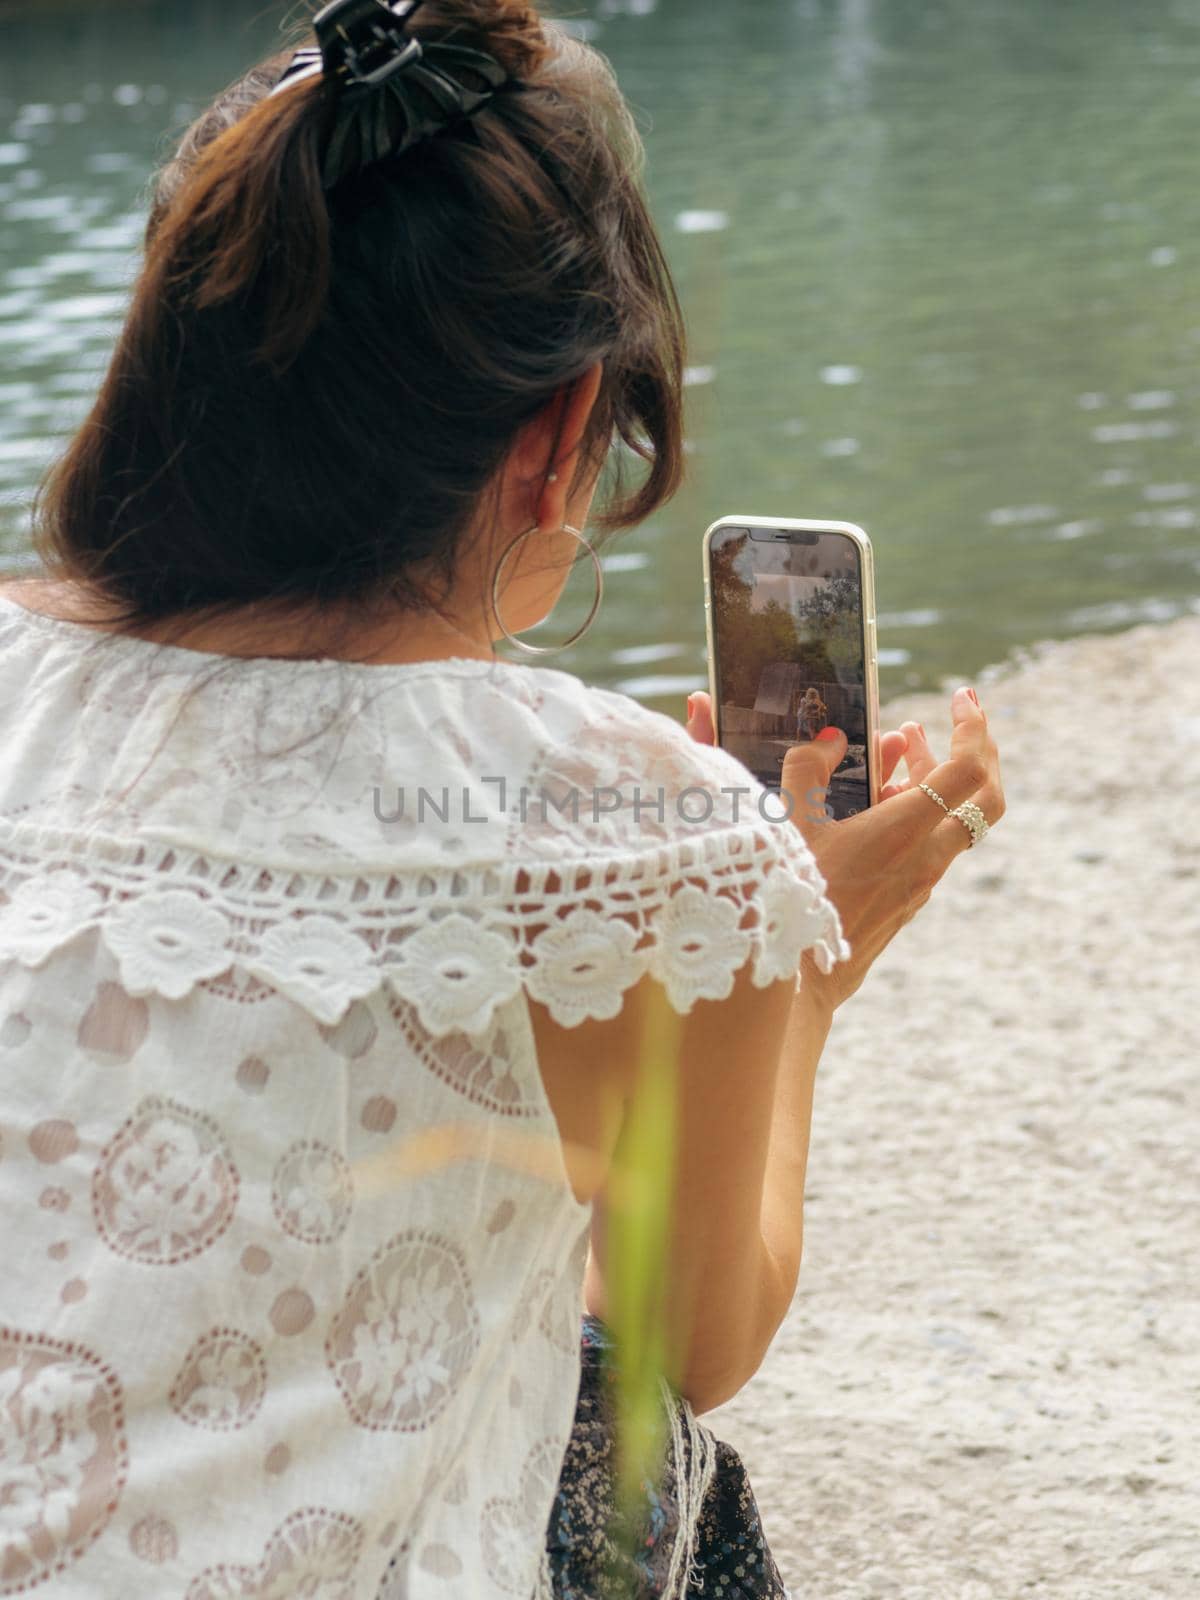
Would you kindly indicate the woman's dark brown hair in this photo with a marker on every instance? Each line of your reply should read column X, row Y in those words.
column 313, row 392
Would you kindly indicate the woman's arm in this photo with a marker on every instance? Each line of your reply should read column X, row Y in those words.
column 722, row 1285
column 782, row 1223
column 722, row 1354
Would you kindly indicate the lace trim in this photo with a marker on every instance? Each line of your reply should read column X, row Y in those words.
column 456, row 942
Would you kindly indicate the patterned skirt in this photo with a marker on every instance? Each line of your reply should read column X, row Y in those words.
column 698, row 1532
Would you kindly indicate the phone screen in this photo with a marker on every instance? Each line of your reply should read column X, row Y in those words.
column 789, row 651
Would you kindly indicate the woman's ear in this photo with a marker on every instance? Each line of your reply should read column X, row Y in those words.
column 549, row 443
column 565, row 423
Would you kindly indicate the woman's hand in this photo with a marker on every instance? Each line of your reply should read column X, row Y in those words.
column 882, row 865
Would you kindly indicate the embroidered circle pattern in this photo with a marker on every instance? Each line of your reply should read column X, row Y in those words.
column 478, row 1066
column 312, row 1192
column 406, row 1334
column 221, row 1383
column 512, row 1528
column 63, row 1458
column 314, row 1553
column 165, row 1188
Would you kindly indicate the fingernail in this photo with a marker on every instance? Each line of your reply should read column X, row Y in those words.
column 973, row 695
column 830, row 733
column 921, row 727
column 690, row 711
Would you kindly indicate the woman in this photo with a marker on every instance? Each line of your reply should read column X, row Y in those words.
column 812, row 714
column 326, row 946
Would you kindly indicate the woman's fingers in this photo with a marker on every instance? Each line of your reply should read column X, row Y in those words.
column 953, row 836
column 892, row 748
column 918, row 759
column 971, row 737
column 960, row 778
column 807, row 769
column 972, row 773
column 700, row 718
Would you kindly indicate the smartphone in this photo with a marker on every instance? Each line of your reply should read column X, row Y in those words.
column 790, row 613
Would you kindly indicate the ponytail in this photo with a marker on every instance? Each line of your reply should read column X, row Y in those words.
column 253, row 217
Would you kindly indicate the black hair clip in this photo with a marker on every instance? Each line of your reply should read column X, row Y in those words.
column 363, row 40
column 366, row 50
column 366, row 39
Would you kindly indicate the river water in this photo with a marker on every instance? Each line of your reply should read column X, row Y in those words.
column 941, row 264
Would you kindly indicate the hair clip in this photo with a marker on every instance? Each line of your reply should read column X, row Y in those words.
column 362, row 40
column 366, row 39
column 364, row 48
column 304, row 64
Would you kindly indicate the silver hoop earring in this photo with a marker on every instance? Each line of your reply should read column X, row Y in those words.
column 547, row 649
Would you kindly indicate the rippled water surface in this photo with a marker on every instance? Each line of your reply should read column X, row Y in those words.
column 941, row 265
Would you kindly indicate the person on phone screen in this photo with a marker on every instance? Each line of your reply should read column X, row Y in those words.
column 812, row 714
column 324, row 1008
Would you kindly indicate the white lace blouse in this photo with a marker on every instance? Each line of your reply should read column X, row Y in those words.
column 289, row 1303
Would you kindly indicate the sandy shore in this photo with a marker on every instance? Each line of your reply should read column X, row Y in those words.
column 987, row 1386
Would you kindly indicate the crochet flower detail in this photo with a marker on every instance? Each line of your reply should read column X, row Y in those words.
column 456, row 973
column 700, row 947
column 166, row 942
column 318, row 963
column 828, row 955
column 44, row 913
column 584, row 966
column 454, row 945
column 794, row 917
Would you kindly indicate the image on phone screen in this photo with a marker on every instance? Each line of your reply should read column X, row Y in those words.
column 789, row 652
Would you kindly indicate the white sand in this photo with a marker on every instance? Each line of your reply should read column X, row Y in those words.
column 987, row 1387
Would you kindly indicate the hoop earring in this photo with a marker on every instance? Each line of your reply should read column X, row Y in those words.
column 547, row 649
